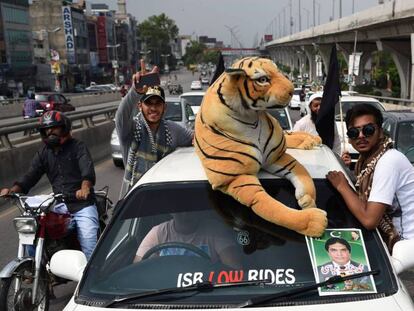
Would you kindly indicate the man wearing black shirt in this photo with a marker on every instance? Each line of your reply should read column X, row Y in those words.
column 69, row 168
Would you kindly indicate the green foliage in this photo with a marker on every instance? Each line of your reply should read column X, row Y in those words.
column 211, row 56
column 194, row 53
column 157, row 32
column 383, row 64
column 365, row 89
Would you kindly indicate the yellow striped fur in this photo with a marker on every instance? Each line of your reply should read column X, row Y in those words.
column 235, row 137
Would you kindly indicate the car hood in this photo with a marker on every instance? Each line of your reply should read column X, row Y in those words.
column 400, row 301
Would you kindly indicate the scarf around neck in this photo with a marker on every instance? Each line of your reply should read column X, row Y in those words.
column 364, row 170
column 145, row 149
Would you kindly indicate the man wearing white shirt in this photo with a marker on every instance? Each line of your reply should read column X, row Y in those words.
column 307, row 123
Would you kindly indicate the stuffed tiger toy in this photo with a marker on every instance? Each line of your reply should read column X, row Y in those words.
column 235, row 137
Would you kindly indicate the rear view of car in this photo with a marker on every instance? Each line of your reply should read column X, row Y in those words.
column 194, row 99
column 295, row 101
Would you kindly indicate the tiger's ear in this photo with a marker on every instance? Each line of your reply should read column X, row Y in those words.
column 235, row 72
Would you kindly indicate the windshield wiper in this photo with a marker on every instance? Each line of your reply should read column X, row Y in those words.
column 291, row 292
column 199, row 287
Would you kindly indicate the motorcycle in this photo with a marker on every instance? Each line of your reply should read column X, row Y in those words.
column 26, row 282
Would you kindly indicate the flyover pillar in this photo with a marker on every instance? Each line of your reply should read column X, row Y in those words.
column 400, row 52
column 310, row 54
column 412, row 68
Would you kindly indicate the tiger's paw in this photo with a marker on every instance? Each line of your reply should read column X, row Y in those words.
column 306, row 201
column 310, row 142
column 315, row 221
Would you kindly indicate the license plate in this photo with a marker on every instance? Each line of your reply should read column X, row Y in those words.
column 26, row 238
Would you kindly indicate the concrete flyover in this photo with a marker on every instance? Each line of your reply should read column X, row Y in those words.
column 387, row 27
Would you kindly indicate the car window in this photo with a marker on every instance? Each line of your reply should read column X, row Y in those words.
column 174, row 111
column 192, row 100
column 404, row 139
column 188, row 111
column 232, row 244
column 41, row 97
column 281, row 116
column 388, row 127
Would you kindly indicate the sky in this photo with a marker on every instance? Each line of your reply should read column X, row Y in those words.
column 240, row 22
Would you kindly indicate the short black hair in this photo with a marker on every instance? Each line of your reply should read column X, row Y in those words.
column 361, row 110
column 331, row 241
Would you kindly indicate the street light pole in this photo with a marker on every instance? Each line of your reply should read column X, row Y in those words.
column 115, row 65
column 165, row 56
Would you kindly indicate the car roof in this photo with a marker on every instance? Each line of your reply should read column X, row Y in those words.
column 184, row 165
column 400, row 115
column 358, row 99
column 172, row 99
column 200, row 93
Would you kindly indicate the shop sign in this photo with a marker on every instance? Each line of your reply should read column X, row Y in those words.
column 69, row 38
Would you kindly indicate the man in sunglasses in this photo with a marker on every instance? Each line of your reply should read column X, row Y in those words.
column 307, row 123
column 384, row 196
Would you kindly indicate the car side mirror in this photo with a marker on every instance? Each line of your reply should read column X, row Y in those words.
column 191, row 118
column 402, row 257
column 68, row 264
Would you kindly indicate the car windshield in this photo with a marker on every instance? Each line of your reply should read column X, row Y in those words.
column 405, row 139
column 281, row 116
column 174, row 111
column 41, row 97
column 346, row 105
column 171, row 235
column 192, row 100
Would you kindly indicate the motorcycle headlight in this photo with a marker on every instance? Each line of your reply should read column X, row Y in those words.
column 25, row 224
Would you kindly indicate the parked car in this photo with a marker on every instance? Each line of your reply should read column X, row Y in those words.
column 98, row 88
column 194, row 99
column 196, row 85
column 177, row 110
column 244, row 258
column 79, row 88
column 400, row 127
column 295, row 101
column 283, row 116
column 54, row 101
column 205, row 81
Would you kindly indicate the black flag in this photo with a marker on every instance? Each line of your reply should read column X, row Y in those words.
column 325, row 122
column 219, row 69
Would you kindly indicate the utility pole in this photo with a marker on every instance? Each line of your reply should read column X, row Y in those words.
column 333, row 10
column 313, row 7
column 340, row 8
column 353, row 6
column 291, row 18
column 300, row 19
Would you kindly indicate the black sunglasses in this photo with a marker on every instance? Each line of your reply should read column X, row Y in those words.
column 367, row 130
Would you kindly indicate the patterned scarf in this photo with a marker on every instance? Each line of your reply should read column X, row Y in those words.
column 145, row 151
column 364, row 170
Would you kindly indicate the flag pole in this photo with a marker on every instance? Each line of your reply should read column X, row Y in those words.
column 341, row 116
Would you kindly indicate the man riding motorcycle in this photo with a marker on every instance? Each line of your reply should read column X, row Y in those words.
column 68, row 165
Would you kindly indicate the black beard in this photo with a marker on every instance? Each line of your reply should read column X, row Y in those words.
column 52, row 140
column 314, row 116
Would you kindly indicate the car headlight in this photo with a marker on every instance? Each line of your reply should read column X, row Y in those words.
column 25, row 224
column 114, row 138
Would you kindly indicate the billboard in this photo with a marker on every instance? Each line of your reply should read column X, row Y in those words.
column 69, row 37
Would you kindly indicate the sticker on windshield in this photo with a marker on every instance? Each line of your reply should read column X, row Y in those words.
column 341, row 252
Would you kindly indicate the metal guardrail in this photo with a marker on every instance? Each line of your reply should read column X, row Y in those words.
column 29, row 129
column 392, row 100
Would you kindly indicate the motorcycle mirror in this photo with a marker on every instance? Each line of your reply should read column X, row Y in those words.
column 68, row 264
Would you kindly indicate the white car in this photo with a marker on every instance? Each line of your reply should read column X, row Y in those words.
column 244, row 260
column 194, row 99
column 196, row 85
column 295, row 101
column 205, row 80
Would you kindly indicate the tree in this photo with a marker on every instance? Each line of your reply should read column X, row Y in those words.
column 194, row 53
column 157, row 32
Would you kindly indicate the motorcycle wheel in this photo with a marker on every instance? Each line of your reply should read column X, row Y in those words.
column 21, row 299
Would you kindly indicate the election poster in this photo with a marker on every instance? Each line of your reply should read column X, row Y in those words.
column 341, row 252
